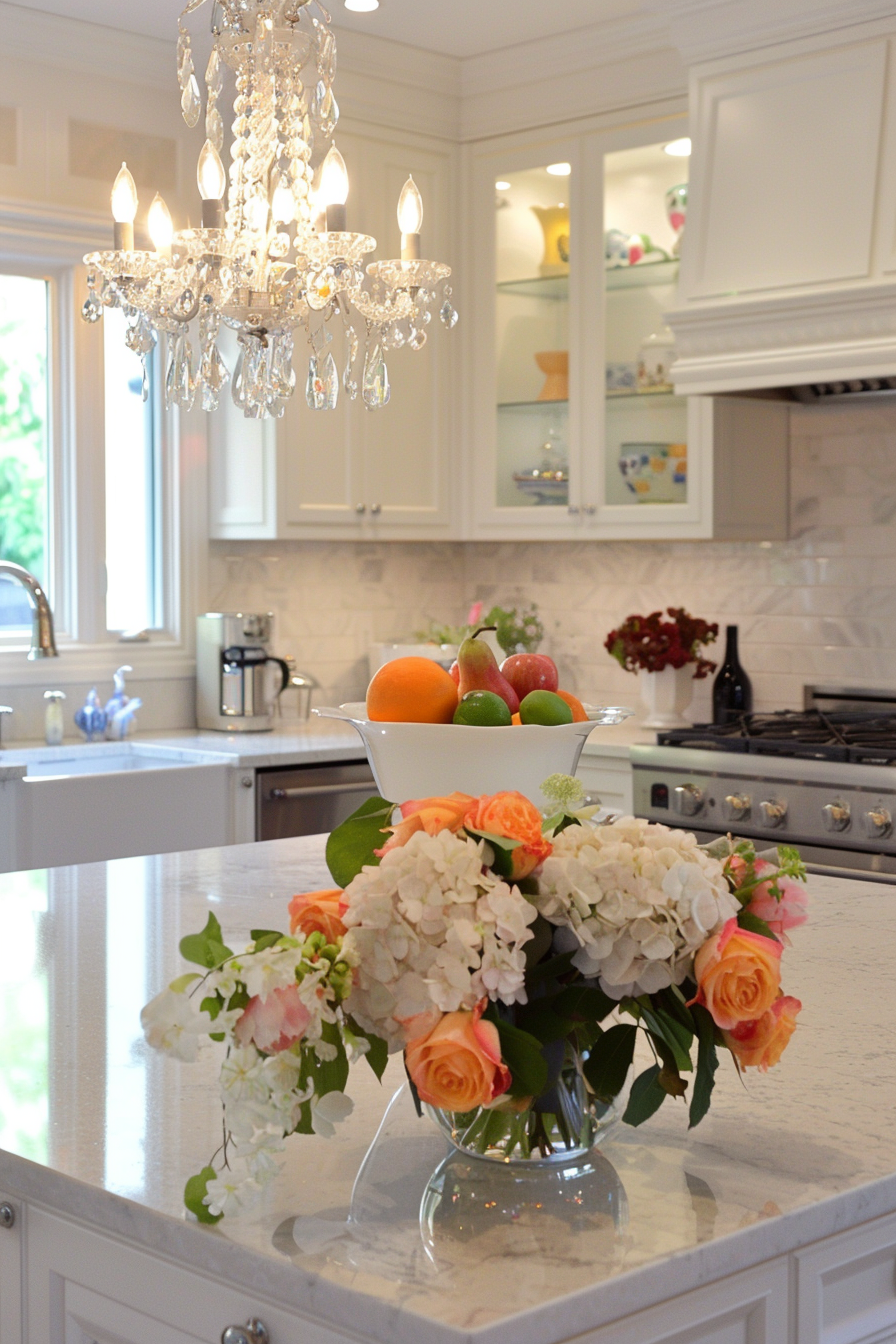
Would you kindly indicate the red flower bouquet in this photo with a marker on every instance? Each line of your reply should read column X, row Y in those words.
column 652, row 643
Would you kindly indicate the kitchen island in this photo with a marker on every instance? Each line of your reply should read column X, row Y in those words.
column 773, row 1223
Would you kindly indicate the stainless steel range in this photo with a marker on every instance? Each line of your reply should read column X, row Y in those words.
column 823, row 779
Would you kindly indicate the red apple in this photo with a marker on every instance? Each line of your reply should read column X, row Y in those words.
column 530, row 672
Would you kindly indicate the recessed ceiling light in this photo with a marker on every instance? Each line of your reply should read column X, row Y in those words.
column 561, row 205
column 362, row 6
column 679, row 149
column 502, row 186
column 559, row 169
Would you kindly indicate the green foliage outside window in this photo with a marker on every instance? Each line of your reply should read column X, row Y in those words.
column 23, row 421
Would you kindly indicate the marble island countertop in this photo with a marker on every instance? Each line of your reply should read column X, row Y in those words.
column 383, row 1239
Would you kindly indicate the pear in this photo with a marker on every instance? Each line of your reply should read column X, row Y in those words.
column 479, row 671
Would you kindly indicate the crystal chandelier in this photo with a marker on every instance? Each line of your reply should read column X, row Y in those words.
column 277, row 263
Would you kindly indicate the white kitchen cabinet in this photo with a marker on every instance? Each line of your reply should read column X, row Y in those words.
column 86, row 1288
column 787, row 275
column 353, row 472
column 569, row 436
column 11, row 1274
column 608, row 780
column 847, row 1287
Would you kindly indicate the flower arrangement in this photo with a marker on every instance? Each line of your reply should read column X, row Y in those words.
column 502, row 951
column 651, row 644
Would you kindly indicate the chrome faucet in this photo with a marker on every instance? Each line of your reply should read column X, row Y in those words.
column 43, row 641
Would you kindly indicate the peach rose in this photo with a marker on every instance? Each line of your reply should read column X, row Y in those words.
column 780, row 915
column 431, row 815
column 760, row 1044
column 513, row 817
column 318, row 912
column 457, row 1065
column 738, row 975
column 274, row 1024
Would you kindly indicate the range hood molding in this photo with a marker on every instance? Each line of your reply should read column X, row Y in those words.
column 783, row 341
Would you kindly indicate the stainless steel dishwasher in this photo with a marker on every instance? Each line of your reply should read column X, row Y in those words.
column 309, row 799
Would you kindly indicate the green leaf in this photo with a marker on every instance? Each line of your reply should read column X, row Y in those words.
column 502, row 863
column 753, row 924
column 585, row 1002
column 669, row 1030
column 195, row 1191
column 645, row 1098
column 378, row 1054
column 675, row 1004
column 540, row 943
column 607, row 1066
column 541, row 1021
column 549, row 970
column 707, row 1063
column 351, row 846
column 263, row 938
column 331, row 1075
column 211, row 1005
column 522, row 1054
column 183, row 982
column 206, row 948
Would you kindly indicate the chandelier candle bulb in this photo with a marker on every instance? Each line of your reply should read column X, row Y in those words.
column 212, row 181
column 410, row 220
column 333, row 192
column 124, row 210
column 161, row 227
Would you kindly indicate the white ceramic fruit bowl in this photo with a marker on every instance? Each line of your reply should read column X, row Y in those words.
column 424, row 760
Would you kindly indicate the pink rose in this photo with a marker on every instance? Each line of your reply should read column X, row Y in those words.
column 274, row 1024
column 789, row 912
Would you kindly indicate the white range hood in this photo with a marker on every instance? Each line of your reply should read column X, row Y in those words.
column 788, row 272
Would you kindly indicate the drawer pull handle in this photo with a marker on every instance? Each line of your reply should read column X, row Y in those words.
column 284, row 795
column 253, row 1332
column 7, row 1215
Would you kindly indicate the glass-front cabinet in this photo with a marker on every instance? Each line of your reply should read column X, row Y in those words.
column 575, row 424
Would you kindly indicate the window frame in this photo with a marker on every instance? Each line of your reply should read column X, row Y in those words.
column 48, row 243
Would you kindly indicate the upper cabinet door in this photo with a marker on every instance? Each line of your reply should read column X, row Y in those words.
column 525, row 348
column 784, row 181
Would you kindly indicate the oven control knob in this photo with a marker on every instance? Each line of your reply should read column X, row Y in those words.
column 773, row 813
column 687, row 800
column 737, row 806
column 836, row 816
column 878, row 823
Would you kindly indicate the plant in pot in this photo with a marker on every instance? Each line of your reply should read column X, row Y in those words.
column 667, row 655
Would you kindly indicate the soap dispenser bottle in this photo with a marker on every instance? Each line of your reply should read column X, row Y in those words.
column 54, row 722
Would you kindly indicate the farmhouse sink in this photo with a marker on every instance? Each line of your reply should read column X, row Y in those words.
column 108, row 800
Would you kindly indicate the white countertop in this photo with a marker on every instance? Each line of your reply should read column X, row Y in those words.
column 291, row 741
column 617, row 739
column 792, row 1157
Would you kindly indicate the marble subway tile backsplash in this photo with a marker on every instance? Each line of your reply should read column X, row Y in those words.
column 820, row 607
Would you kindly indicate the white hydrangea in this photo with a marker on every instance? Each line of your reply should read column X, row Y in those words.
column 635, row 900
column 430, row 927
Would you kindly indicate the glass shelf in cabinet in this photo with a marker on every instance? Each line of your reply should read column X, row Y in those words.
column 533, row 405
column 552, row 287
column 657, row 399
column 644, row 273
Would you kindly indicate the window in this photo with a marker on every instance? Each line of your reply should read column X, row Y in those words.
column 24, row 439
column 132, row 484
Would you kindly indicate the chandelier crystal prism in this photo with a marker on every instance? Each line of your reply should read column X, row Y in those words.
column 276, row 263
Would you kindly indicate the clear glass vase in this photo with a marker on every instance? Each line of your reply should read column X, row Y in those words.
column 562, row 1125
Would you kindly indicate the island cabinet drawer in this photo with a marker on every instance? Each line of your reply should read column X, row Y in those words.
column 83, row 1287
column 747, row 1308
column 846, row 1287
column 608, row 778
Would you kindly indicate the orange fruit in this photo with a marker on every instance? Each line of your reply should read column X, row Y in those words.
column 578, row 709
column 411, row 690
column 515, row 719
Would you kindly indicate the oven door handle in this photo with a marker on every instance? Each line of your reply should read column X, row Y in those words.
column 285, row 795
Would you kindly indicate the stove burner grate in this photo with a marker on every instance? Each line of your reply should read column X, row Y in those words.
column 858, row 736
